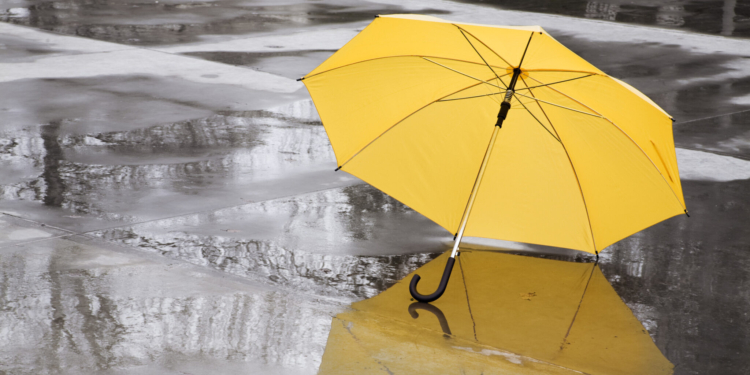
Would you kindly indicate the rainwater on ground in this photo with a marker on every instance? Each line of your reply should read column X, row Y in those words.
column 173, row 209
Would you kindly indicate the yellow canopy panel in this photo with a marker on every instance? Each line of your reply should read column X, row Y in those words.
column 582, row 160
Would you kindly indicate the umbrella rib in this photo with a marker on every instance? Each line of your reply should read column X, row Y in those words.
column 554, row 83
column 402, row 120
column 481, row 57
column 627, row 135
column 537, row 120
column 488, row 47
column 525, row 88
column 526, row 49
column 476, row 96
column 464, row 74
column 557, row 105
column 391, row 57
column 575, row 173
column 562, row 71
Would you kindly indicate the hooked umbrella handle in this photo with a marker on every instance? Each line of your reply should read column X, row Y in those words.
column 441, row 288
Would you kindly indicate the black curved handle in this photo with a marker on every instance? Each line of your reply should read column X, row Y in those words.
column 433, row 309
column 441, row 288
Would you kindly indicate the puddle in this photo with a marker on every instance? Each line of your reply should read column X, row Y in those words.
column 74, row 308
column 168, row 22
column 717, row 17
column 351, row 241
column 161, row 170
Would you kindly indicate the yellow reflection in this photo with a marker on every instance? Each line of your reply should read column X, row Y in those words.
column 500, row 314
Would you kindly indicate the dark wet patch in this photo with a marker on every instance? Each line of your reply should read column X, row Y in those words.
column 691, row 276
column 726, row 135
column 660, row 71
column 290, row 64
column 730, row 18
column 251, row 58
column 15, row 50
column 153, row 23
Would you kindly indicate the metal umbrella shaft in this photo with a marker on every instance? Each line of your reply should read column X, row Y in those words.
column 504, row 107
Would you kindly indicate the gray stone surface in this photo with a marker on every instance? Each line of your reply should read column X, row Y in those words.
column 169, row 202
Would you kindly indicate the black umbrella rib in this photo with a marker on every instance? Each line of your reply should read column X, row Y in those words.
column 532, row 115
column 572, row 167
column 464, row 74
column 481, row 57
column 525, row 88
column 488, row 47
column 537, row 120
column 526, row 50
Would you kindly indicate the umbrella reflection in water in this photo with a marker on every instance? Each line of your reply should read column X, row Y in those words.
column 501, row 314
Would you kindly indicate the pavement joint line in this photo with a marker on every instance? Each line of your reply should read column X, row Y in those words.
column 39, row 223
column 39, row 240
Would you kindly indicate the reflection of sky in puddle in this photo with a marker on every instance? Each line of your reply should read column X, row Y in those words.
column 95, row 173
column 328, row 242
column 73, row 308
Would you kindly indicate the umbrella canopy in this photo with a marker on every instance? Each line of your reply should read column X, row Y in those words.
column 508, row 314
column 414, row 105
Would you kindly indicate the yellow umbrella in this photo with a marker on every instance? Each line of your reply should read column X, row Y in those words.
column 414, row 105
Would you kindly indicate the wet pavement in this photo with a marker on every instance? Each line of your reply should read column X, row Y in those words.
column 718, row 17
column 173, row 209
